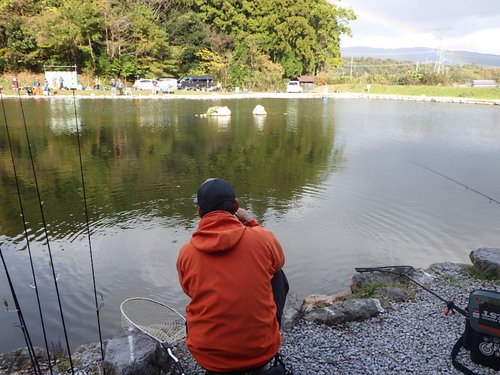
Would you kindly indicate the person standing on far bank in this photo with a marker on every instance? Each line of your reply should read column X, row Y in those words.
column 231, row 270
column 37, row 87
column 15, row 85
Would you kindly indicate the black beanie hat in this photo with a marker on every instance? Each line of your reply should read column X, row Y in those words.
column 215, row 194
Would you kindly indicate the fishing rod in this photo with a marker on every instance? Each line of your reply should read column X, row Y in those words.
column 458, row 182
column 22, row 323
column 49, row 250
column 26, row 235
column 406, row 271
column 97, row 307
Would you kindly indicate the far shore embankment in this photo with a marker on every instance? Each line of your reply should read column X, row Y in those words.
column 69, row 94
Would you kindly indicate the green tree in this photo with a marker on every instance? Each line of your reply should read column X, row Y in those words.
column 229, row 39
column 189, row 37
column 18, row 48
column 302, row 42
column 66, row 31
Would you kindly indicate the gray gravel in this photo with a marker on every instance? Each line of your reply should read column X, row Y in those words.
column 415, row 338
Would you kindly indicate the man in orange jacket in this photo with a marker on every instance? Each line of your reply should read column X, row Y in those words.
column 231, row 270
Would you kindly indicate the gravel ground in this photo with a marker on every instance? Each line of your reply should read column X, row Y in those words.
column 415, row 338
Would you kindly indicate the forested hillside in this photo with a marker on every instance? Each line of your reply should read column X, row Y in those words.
column 237, row 42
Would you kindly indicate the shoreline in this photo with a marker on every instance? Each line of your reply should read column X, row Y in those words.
column 220, row 96
column 413, row 336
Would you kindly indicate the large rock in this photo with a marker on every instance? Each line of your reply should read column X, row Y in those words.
column 393, row 293
column 446, row 268
column 392, row 287
column 20, row 359
column 315, row 301
column 350, row 310
column 361, row 309
column 326, row 315
column 290, row 312
column 219, row 111
column 486, row 261
column 359, row 280
column 259, row 110
column 131, row 352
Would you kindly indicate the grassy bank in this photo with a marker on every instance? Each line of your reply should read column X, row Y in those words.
column 430, row 91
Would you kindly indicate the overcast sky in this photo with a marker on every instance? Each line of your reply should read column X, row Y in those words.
column 461, row 25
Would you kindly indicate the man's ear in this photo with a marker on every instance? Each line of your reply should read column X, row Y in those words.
column 200, row 211
column 236, row 205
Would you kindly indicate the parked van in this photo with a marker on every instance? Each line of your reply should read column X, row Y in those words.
column 294, row 87
column 143, row 84
column 196, row 82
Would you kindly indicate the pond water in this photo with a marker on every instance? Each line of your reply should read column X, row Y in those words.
column 343, row 183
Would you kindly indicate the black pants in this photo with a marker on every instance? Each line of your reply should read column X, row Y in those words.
column 280, row 289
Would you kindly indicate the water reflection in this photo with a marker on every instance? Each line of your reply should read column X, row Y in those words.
column 63, row 116
column 221, row 122
column 138, row 153
column 259, row 121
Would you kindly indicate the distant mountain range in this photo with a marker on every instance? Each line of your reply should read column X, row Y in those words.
column 423, row 55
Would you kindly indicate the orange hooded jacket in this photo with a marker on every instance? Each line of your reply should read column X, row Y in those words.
column 226, row 268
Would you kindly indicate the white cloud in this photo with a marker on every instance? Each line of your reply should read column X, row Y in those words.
column 472, row 26
column 483, row 41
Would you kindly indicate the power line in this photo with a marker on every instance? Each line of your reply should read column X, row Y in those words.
column 383, row 65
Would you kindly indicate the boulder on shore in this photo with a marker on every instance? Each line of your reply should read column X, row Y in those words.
column 486, row 261
column 131, row 352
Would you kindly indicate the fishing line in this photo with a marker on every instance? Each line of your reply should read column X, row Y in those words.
column 22, row 323
column 457, row 182
column 97, row 307
column 26, row 235
column 44, row 222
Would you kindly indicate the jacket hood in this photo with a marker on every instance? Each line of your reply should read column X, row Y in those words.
column 217, row 231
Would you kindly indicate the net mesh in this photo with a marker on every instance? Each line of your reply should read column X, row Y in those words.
column 154, row 318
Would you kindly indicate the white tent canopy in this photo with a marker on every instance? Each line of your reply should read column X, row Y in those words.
column 53, row 74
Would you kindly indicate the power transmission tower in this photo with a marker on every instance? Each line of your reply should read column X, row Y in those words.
column 440, row 50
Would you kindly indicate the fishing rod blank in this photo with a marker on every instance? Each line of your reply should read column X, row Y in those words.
column 457, row 182
column 97, row 306
column 22, row 323
column 25, row 228
column 406, row 271
column 49, row 249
